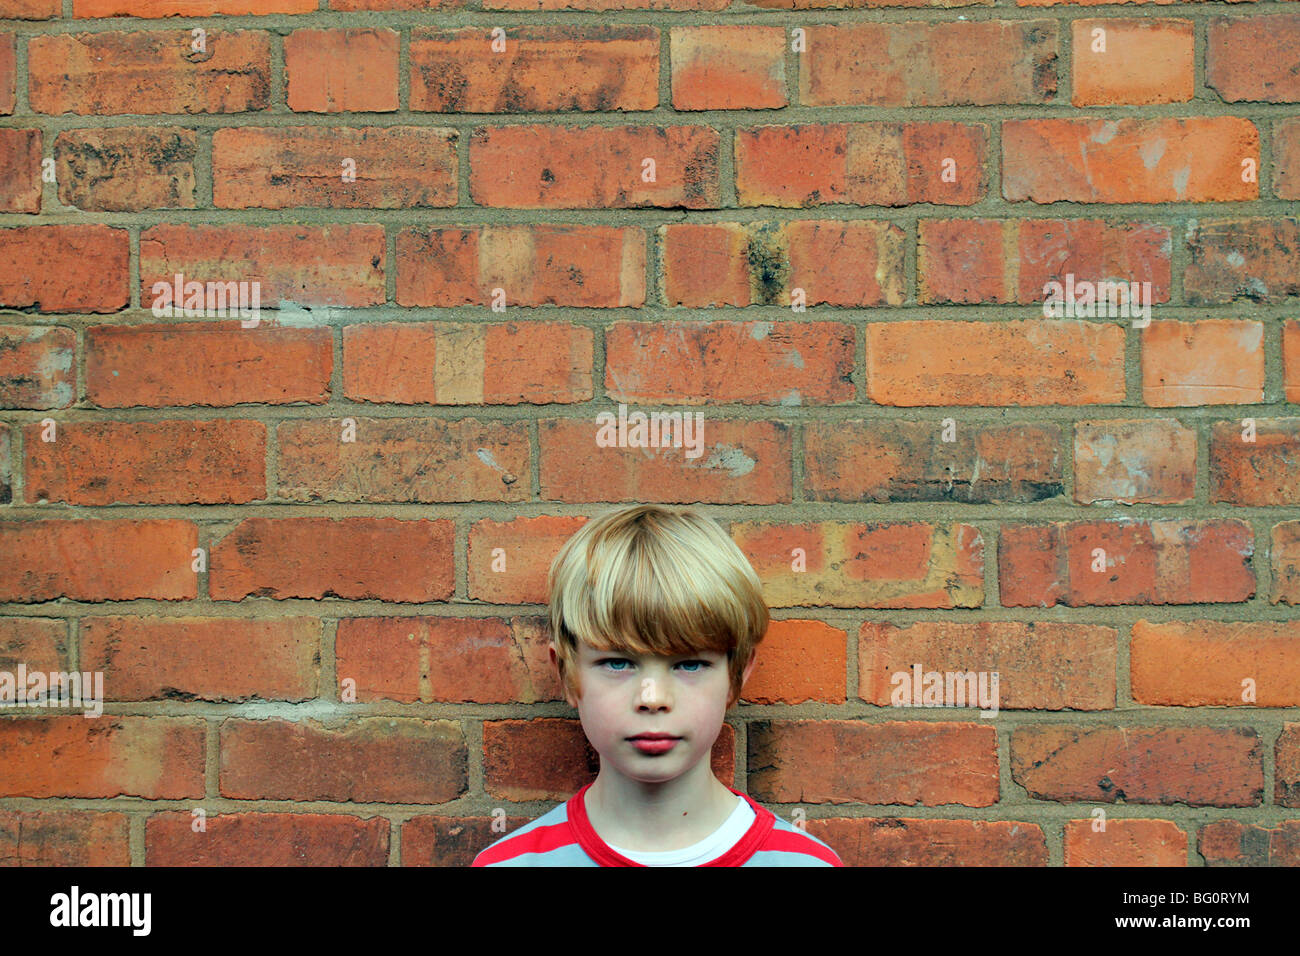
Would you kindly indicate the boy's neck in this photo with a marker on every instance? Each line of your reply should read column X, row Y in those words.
column 658, row 816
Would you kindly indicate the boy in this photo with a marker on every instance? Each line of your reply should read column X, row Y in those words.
column 655, row 617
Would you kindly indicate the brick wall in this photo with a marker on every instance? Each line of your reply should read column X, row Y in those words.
column 306, row 547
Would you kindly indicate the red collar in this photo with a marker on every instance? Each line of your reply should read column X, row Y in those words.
column 600, row 851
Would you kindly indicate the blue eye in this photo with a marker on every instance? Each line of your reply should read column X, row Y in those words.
column 615, row 660
column 700, row 666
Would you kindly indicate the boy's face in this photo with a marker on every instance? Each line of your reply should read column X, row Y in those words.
column 626, row 694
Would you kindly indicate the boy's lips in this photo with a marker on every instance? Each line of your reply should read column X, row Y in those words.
column 655, row 737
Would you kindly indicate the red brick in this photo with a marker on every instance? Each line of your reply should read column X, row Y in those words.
column 908, row 564
column 1160, row 561
column 915, row 63
column 1231, row 259
column 1254, row 58
column 97, row 560
column 20, row 155
column 187, row 8
column 31, row 9
column 531, row 5
column 339, row 264
column 1286, row 786
column 1286, row 159
column 695, row 363
column 1134, row 461
column 440, row 363
column 266, row 839
column 799, row 661
column 126, row 168
column 203, row 658
column 1031, row 362
column 63, row 838
column 906, row 841
column 290, row 166
column 405, row 460
column 443, row 659
column 349, row 558
column 156, row 462
column 900, row 762
column 865, row 164
column 1262, row 472
column 6, row 467
column 365, row 760
column 215, row 363
column 1129, row 160
column 41, row 643
column 527, row 546
column 1284, row 551
column 396, row 4
column 1291, row 360
column 542, row 69
column 37, row 366
column 734, row 461
column 1232, row 843
column 1043, row 665
column 856, row 263
column 594, row 167
column 64, row 268
column 1208, row 362
column 541, row 264
column 860, row 460
column 1010, row 260
column 728, row 67
column 1198, row 766
column 453, row 841
column 155, row 757
column 1204, row 663
column 341, row 71
column 9, row 72
column 153, row 71
column 1125, row 843
column 1143, row 61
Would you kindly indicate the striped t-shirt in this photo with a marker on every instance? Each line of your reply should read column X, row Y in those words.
column 564, row 836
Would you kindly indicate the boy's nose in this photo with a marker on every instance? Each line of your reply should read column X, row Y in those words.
column 654, row 695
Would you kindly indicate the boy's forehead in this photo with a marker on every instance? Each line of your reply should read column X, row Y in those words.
column 586, row 650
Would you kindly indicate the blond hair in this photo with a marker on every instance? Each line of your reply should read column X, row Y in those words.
column 646, row 579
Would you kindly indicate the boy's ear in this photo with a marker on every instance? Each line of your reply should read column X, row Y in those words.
column 555, row 663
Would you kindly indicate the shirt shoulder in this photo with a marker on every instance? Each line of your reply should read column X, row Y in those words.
column 546, row 841
column 789, row 845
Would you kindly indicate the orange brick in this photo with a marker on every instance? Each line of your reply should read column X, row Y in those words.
column 1233, row 843
column 1132, row 61
column 906, row 841
column 1129, row 160
column 216, row 363
column 595, row 167
column 728, row 67
column 1134, row 461
column 1198, row 766
column 1255, row 467
column 541, row 69
column 1037, row 362
column 127, row 168
column 1210, row 362
column 155, row 71
column 799, row 661
column 37, row 366
column 1286, row 158
column 915, row 63
column 694, row 363
column 1125, row 843
column 468, row 364
column 20, row 154
column 266, row 839
column 289, row 166
column 527, row 546
column 65, row 268
column 341, row 71
column 1253, row 58
column 1205, row 663
column 393, row 459
column 1231, row 259
column 815, row 164
column 64, row 838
